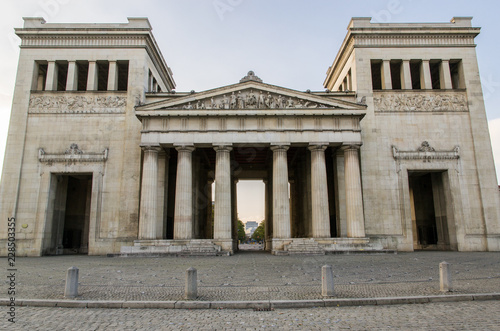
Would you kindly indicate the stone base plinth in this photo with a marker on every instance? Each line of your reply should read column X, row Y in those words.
column 195, row 247
column 227, row 245
column 322, row 246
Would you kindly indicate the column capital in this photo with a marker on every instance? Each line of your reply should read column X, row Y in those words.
column 184, row 148
column 151, row 148
column 317, row 147
column 282, row 147
column 223, row 148
column 350, row 146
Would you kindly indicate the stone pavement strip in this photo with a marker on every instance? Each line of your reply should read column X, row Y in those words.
column 470, row 315
column 256, row 276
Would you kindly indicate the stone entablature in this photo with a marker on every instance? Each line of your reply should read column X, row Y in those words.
column 71, row 155
column 77, row 103
column 426, row 153
column 420, row 101
column 251, row 112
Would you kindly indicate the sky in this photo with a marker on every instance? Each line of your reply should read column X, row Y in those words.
column 289, row 43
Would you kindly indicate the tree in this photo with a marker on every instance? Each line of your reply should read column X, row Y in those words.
column 241, row 231
column 260, row 232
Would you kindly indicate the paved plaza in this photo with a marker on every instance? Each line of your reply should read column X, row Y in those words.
column 261, row 276
column 257, row 276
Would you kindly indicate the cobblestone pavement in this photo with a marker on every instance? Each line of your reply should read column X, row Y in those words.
column 255, row 276
column 480, row 315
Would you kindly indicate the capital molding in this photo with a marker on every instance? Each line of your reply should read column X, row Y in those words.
column 280, row 147
column 318, row 146
column 185, row 148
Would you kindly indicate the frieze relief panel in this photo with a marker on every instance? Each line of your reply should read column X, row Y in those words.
column 249, row 99
column 77, row 104
column 420, row 102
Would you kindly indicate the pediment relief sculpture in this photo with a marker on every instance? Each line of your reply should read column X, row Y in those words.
column 249, row 99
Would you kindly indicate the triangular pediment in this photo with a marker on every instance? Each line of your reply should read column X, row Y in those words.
column 250, row 95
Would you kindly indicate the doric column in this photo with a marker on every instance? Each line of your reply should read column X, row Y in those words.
column 354, row 195
column 386, row 75
column 149, row 193
column 183, row 215
column 339, row 180
column 92, row 78
column 161, row 224
column 445, row 75
column 406, row 75
column 425, row 75
column 281, row 205
column 210, row 222
column 234, row 204
column 72, row 81
column 319, row 193
column 51, row 82
column 112, row 76
column 222, row 212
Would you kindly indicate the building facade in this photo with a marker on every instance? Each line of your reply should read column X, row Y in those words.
column 104, row 157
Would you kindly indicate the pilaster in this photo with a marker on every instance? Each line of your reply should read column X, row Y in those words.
column 425, row 75
column 51, row 82
column 386, row 75
column 445, row 75
column 72, row 80
column 406, row 75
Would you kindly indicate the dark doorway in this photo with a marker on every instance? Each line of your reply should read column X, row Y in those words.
column 432, row 228
column 71, row 196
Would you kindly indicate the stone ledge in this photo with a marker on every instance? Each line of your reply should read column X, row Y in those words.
column 278, row 304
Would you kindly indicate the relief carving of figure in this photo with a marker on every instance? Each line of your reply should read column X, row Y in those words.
column 189, row 106
column 281, row 102
column 290, row 103
column 225, row 102
column 269, row 100
column 233, row 103
column 200, row 105
column 251, row 99
column 241, row 101
column 213, row 105
column 261, row 101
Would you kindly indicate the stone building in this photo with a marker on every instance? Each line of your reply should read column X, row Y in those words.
column 103, row 156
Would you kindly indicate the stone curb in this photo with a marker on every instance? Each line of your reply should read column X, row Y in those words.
column 264, row 305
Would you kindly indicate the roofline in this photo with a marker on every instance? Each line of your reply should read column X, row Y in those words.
column 359, row 26
column 136, row 26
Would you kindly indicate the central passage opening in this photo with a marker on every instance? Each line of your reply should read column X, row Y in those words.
column 251, row 214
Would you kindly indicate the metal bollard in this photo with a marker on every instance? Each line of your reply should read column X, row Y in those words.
column 191, row 292
column 327, row 289
column 71, row 289
column 445, row 277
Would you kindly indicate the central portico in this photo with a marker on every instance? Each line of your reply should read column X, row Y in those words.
column 303, row 145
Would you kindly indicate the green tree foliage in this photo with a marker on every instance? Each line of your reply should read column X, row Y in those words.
column 241, row 231
column 259, row 232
